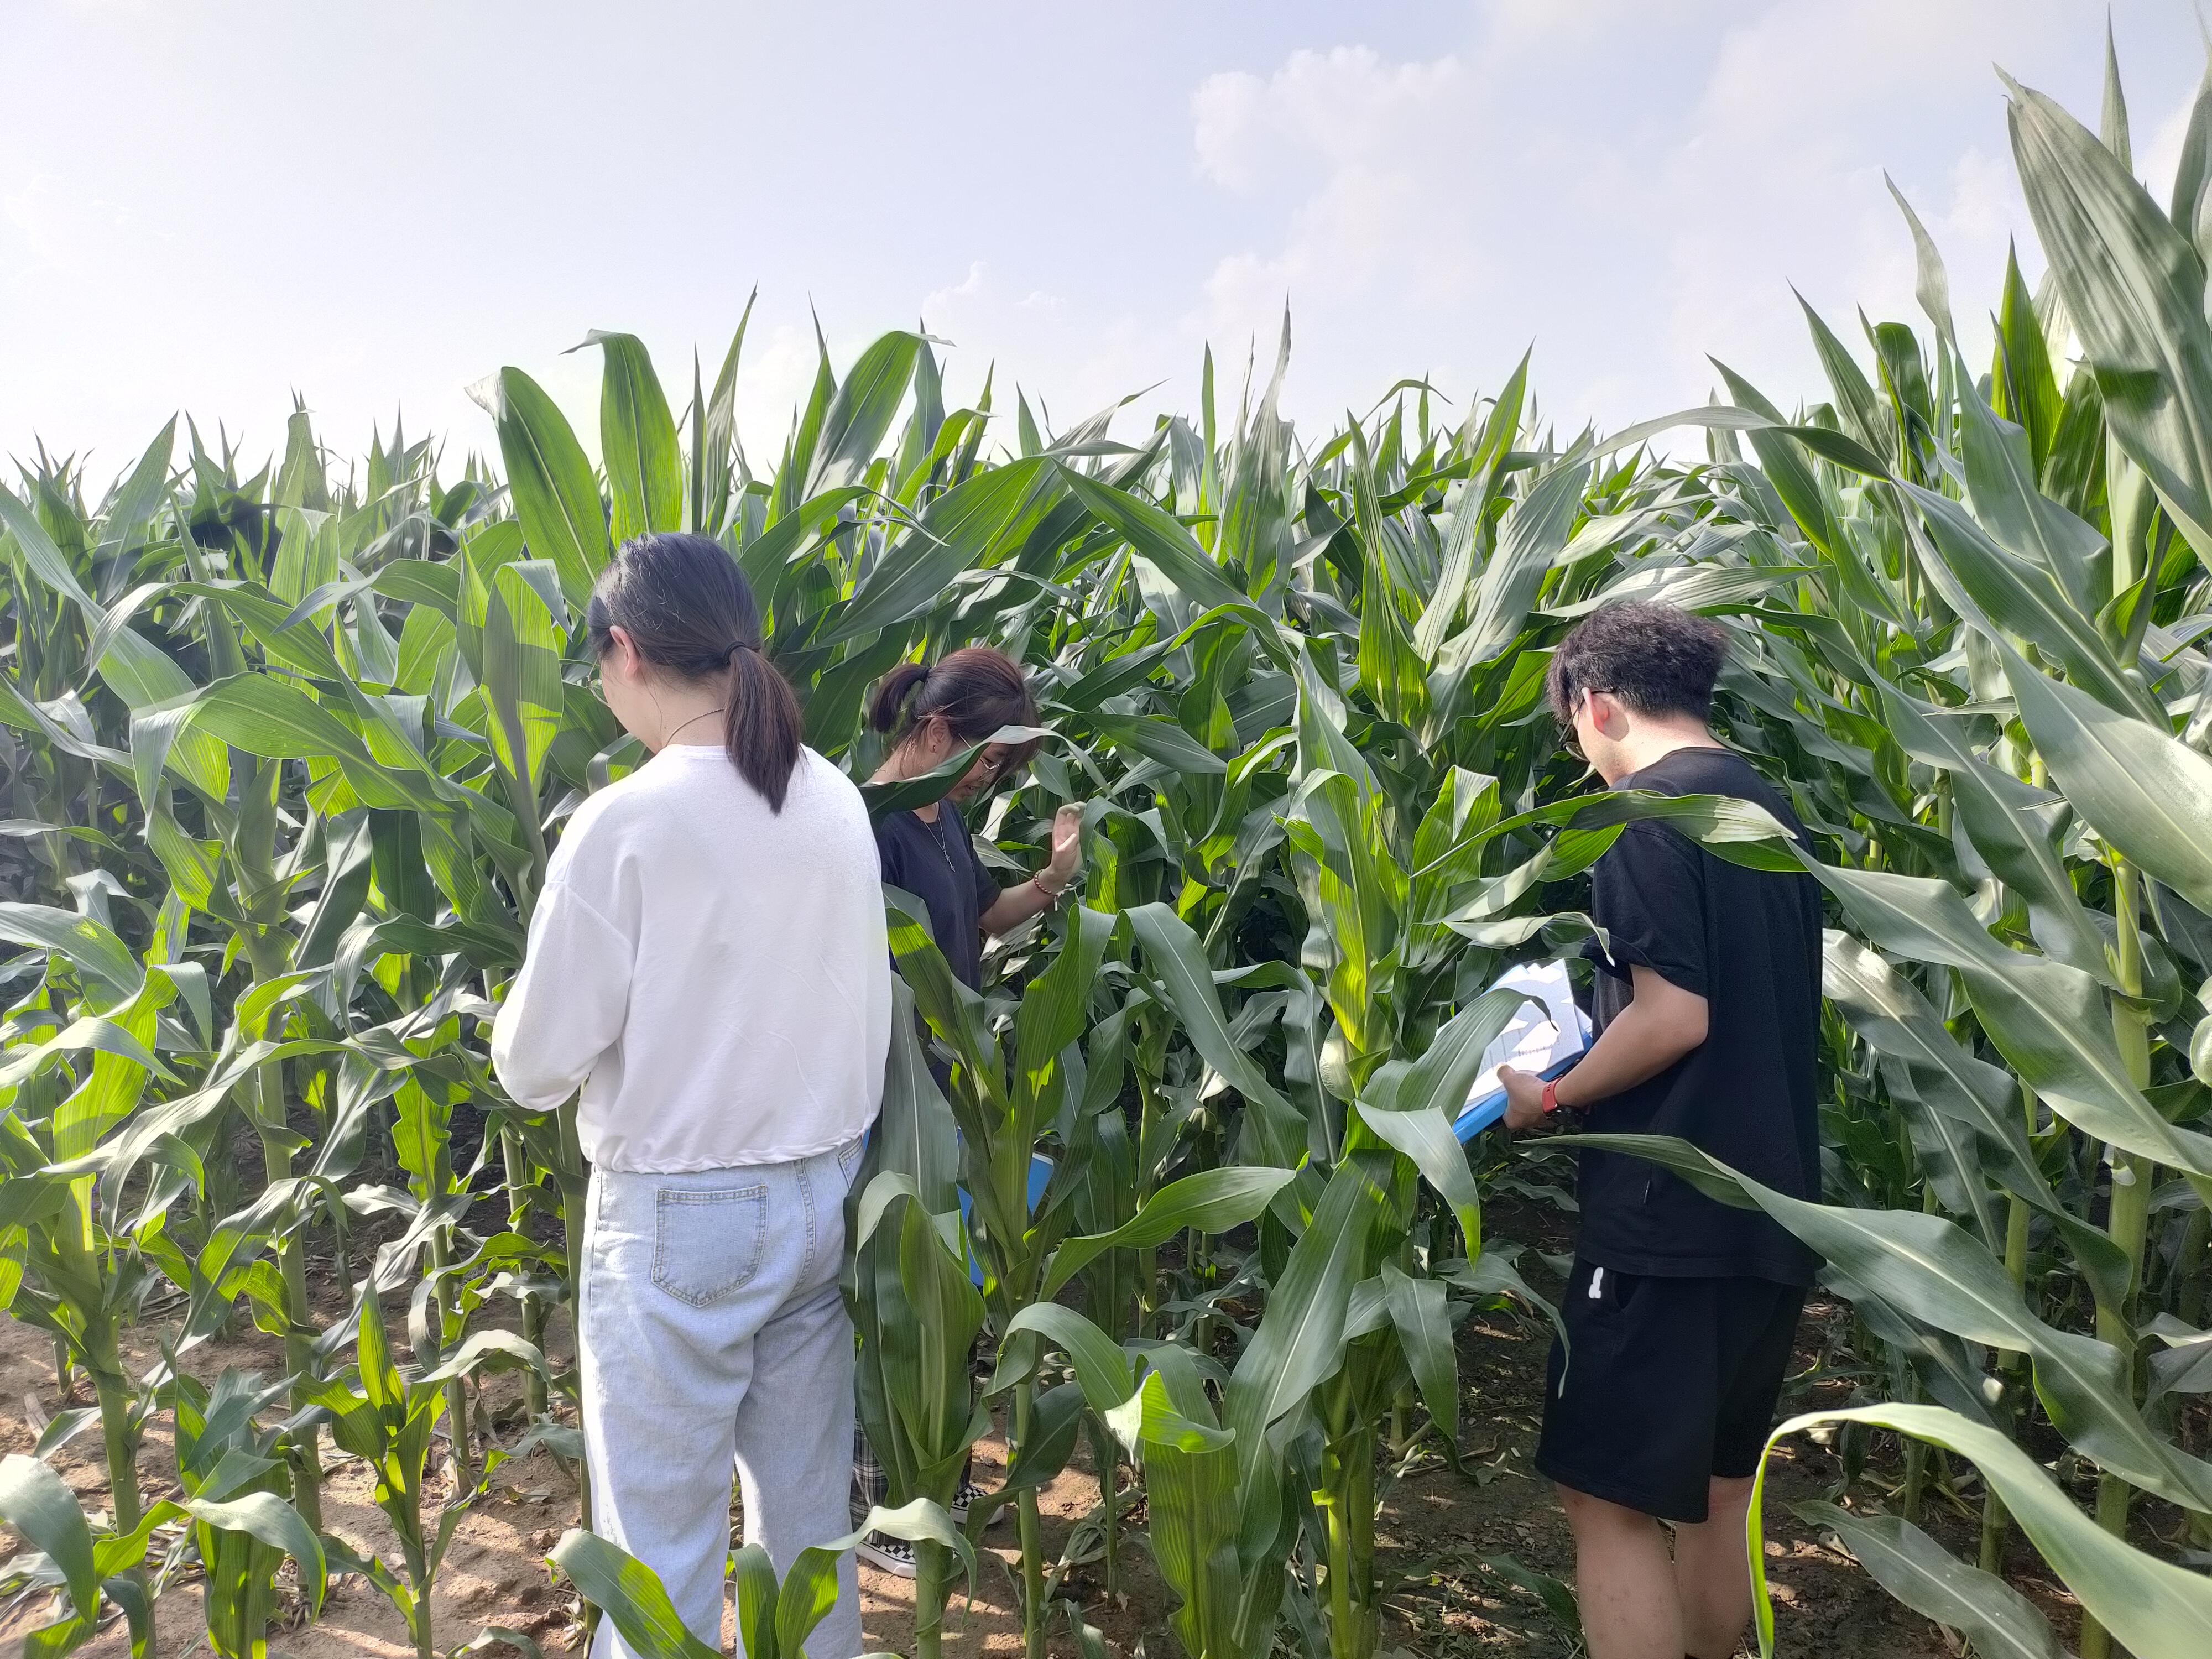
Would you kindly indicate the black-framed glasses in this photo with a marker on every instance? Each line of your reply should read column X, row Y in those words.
column 1570, row 738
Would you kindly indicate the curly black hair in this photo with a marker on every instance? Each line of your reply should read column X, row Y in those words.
column 1655, row 659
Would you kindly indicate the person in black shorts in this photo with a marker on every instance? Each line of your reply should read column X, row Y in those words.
column 1682, row 1311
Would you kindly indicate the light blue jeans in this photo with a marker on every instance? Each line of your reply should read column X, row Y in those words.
column 710, row 1326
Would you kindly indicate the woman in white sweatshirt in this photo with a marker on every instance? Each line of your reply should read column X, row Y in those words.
column 708, row 961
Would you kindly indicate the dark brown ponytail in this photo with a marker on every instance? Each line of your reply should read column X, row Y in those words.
column 890, row 705
column 761, row 728
column 687, row 608
column 976, row 691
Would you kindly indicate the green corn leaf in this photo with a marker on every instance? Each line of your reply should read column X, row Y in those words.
column 1793, row 478
column 2149, row 795
column 1174, row 956
column 2157, row 1611
column 26, row 716
column 862, row 409
column 34, row 1501
column 422, row 582
column 809, row 1591
column 1105, row 1372
column 929, row 1347
column 138, row 671
column 971, row 524
column 1194, row 1531
column 2047, row 1019
column 1156, row 740
column 1923, row 1063
column 556, row 496
column 714, row 469
column 637, row 440
column 1390, row 672
column 1934, row 1271
column 265, row 1516
column 522, row 673
column 2011, row 825
column 1053, row 1006
column 1931, row 287
column 1426, row 1136
column 1462, row 554
column 1353, row 892
column 106, row 964
column 140, row 495
column 1159, row 537
column 630, row 1593
column 270, row 718
column 2135, row 290
column 1256, row 528
column 915, row 1127
column 2000, row 1622
column 1530, row 538
column 758, row 1597
column 1211, row 1201
column 1444, row 1077
column 1420, row 1313
column 1299, row 1342
column 1862, row 412
column 2003, row 472
column 1712, row 589
column 488, row 1349
column 1985, row 582
column 2021, row 375
column 904, row 794
column 954, row 1012
column 1149, row 1418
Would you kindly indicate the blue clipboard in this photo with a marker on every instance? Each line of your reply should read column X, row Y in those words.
column 1040, row 1177
column 1486, row 1110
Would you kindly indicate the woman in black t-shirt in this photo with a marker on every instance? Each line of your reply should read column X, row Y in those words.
column 967, row 697
column 935, row 712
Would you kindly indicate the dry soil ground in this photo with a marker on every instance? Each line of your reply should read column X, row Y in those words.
column 1438, row 1529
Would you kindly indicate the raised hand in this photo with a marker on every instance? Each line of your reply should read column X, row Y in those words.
column 1066, row 846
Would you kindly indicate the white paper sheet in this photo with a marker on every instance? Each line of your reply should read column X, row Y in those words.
column 1541, row 1035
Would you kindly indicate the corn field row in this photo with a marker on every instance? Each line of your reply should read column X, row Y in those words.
column 284, row 754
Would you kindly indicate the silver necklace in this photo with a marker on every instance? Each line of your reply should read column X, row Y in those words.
column 693, row 720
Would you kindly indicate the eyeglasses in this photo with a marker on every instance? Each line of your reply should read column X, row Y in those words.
column 1572, row 740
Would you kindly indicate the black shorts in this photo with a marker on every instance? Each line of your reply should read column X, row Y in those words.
column 1663, row 1385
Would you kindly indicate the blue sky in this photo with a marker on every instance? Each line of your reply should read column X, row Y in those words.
column 209, row 207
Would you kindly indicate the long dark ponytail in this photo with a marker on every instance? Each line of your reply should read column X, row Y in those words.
column 975, row 690
column 688, row 608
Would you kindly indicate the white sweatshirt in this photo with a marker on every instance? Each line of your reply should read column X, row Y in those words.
column 715, row 974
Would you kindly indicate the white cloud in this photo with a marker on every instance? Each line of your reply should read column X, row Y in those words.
column 1630, row 184
column 1630, row 189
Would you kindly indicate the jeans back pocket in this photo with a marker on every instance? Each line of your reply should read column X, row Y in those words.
column 708, row 1245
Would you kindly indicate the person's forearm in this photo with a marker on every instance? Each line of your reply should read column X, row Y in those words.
column 1641, row 1042
column 1015, row 905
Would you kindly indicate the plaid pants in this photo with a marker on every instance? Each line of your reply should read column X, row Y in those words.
column 871, row 1485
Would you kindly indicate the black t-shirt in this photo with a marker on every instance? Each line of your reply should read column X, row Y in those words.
column 936, row 863
column 1749, row 941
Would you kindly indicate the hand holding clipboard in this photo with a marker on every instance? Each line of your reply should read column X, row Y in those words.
column 1546, row 1035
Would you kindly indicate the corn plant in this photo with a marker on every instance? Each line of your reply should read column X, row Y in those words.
column 774, row 1615
column 287, row 752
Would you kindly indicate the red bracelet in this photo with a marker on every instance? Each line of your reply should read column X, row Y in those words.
column 1551, row 1096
